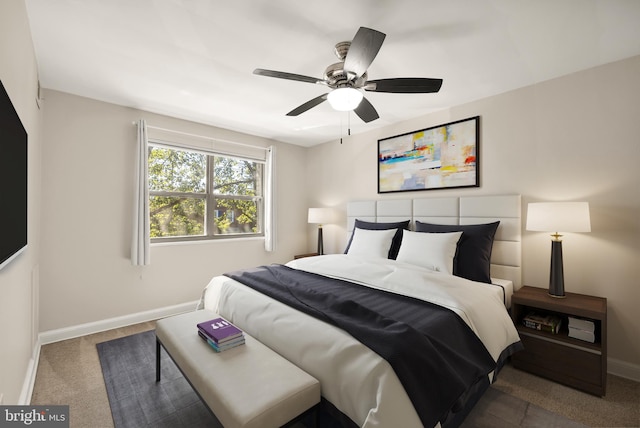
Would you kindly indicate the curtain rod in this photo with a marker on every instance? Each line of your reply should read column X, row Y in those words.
column 205, row 137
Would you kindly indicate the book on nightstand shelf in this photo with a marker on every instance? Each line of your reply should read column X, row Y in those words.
column 587, row 336
column 542, row 322
column 582, row 329
column 220, row 334
column 582, row 324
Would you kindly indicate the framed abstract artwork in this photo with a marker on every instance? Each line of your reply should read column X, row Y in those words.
column 440, row 157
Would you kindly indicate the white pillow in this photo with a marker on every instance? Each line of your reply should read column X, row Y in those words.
column 434, row 251
column 371, row 243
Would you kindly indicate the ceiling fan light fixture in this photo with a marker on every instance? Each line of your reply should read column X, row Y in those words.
column 344, row 99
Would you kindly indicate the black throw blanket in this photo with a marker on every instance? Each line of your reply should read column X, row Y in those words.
column 436, row 356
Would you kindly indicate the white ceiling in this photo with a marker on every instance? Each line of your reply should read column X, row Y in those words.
column 193, row 59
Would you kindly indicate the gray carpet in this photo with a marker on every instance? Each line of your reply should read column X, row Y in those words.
column 497, row 409
column 136, row 400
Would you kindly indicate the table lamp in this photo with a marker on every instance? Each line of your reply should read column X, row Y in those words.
column 320, row 216
column 558, row 217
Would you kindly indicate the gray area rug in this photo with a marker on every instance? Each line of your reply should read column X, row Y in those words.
column 136, row 400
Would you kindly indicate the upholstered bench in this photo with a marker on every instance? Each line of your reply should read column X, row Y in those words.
column 246, row 386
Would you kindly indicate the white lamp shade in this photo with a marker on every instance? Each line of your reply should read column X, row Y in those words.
column 320, row 215
column 344, row 99
column 558, row 217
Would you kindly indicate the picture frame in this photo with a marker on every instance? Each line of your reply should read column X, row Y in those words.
column 440, row 157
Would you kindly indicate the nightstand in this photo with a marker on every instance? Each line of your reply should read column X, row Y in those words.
column 576, row 363
column 301, row 256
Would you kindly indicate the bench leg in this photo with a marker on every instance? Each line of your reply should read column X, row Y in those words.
column 314, row 416
column 157, row 360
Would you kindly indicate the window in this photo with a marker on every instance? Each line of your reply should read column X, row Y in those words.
column 196, row 195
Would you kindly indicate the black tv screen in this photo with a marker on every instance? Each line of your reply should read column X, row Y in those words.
column 13, row 181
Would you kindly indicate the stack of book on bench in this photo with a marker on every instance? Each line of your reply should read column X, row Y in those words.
column 220, row 334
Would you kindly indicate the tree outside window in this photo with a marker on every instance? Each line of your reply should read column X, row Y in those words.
column 193, row 195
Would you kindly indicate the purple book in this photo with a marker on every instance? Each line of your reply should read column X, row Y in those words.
column 220, row 330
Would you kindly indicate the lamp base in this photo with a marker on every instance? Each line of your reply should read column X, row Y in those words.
column 556, row 277
column 320, row 243
column 557, row 297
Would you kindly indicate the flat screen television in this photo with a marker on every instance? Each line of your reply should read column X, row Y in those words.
column 13, row 181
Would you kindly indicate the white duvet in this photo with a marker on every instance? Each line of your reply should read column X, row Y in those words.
column 356, row 380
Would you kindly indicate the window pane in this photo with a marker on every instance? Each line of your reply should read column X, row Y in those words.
column 176, row 170
column 175, row 216
column 235, row 177
column 236, row 216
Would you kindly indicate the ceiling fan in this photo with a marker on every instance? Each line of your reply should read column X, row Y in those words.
column 348, row 78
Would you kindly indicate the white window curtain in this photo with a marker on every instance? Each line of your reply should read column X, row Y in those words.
column 269, row 201
column 140, row 243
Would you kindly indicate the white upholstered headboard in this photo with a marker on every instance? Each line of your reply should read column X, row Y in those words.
column 506, row 254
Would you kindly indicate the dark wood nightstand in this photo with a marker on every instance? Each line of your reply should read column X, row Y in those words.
column 301, row 256
column 573, row 362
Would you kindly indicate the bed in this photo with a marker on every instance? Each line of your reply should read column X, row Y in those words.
column 420, row 382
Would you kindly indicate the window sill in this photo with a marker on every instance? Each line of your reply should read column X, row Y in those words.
column 207, row 241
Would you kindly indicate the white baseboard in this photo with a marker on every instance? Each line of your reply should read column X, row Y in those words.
column 623, row 369
column 57, row 335
column 30, row 377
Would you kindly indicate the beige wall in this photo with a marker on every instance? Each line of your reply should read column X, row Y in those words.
column 18, row 280
column 571, row 138
column 88, row 182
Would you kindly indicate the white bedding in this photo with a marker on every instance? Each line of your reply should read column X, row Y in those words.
column 507, row 286
column 357, row 381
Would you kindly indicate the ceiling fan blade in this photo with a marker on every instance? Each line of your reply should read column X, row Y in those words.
column 404, row 85
column 364, row 48
column 288, row 76
column 308, row 105
column 366, row 111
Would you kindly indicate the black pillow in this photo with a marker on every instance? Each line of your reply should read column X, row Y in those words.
column 395, row 242
column 473, row 256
